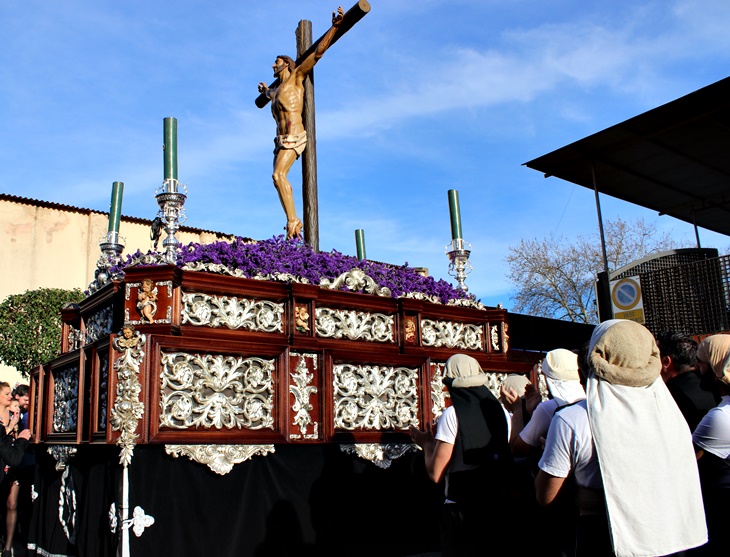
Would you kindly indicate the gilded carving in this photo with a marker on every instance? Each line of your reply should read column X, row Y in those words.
column 221, row 311
column 410, row 330
column 127, row 409
column 449, row 334
column 302, row 390
column 375, row 397
column 147, row 300
column 301, row 318
column 216, row 391
column 354, row 325
column 219, row 458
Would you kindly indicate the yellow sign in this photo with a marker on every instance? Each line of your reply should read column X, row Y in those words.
column 626, row 299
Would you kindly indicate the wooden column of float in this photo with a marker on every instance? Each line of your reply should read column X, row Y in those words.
column 306, row 337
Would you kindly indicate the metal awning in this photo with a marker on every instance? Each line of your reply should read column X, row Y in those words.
column 674, row 159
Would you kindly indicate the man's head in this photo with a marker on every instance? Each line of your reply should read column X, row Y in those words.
column 283, row 62
column 22, row 395
column 678, row 353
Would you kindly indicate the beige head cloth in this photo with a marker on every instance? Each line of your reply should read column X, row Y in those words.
column 715, row 350
column 624, row 353
column 465, row 371
column 516, row 382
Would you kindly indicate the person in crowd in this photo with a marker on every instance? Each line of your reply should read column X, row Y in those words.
column 12, row 449
column 560, row 368
column 21, row 393
column 630, row 452
column 469, row 450
column 679, row 360
column 712, row 444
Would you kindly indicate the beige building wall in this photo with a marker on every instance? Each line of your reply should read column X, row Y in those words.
column 48, row 245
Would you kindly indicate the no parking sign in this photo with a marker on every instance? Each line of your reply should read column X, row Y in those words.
column 626, row 299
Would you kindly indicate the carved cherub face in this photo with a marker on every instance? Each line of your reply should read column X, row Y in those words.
column 127, row 332
column 147, row 285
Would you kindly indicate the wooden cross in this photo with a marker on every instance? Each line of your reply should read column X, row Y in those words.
column 305, row 47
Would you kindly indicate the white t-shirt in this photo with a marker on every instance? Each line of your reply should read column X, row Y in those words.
column 713, row 432
column 448, row 426
column 569, row 447
column 539, row 422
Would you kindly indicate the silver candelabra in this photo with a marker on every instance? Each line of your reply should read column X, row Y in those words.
column 458, row 253
column 171, row 198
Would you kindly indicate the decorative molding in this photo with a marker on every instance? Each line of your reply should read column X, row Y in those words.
column 302, row 390
column 219, row 458
column 494, row 336
column 220, row 269
column 382, row 455
column 127, row 409
column 128, row 296
column 375, row 397
column 354, row 325
column 215, row 390
column 221, row 311
column 356, row 281
column 65, row 399
column 62, row 454
column 449, row 334
column 99, row 324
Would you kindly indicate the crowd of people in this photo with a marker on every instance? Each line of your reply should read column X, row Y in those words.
column 16, row 458
column 628, row 456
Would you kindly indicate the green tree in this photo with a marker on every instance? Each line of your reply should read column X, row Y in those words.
column 30, row 326
column 556, row 278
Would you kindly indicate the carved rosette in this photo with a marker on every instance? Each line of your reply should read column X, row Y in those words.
column 65, row 399
column 302, row 390
column 219, row 458
column 448, row 334
column 127, row 409
column 380, row 454
column 215, row 390
column 99, row 325
column 354, row 325
column 356, row 281
column 375, row 397
column 130, row 286
column 221, row 311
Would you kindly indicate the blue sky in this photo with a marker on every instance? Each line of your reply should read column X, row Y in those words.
column 418, row 98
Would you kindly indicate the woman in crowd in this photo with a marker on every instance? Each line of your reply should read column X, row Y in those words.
column 9, row 420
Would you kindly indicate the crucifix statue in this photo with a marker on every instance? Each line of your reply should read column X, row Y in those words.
column 289, row 100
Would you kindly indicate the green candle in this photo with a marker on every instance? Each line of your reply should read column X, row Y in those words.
column 455, row 214
column 115, row 208
column 360, row 243
column 170, row 148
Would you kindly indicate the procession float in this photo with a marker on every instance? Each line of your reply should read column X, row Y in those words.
column 250, row 397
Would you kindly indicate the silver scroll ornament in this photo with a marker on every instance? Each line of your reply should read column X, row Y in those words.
column 235, row 313
column 215, row 390
column 375, row 397
column 356, row 281
column 354, row 325
column 219, row 458
column 449, row 334
column 302, row 390
column 127, row 409
column 380, row 454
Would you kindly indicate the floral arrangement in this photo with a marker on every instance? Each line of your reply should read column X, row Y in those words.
column 296, row 261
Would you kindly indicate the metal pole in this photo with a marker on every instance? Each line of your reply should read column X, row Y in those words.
column 600, row 221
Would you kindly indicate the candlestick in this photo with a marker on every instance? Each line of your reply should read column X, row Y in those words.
column 360, row 243
column 455, row 214
column 115, row 207
column 170, row 148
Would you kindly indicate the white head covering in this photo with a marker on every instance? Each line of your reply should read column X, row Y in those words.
column 560, row 368
column 643, row 444
column 465, row 371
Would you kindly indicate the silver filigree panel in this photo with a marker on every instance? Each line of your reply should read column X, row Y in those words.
column 354, row 325
column 221, row 311
column 494, row 336
column 128, row 409
column 303, row 390
column 65, row 399
column 375, row 397
column 215, row 390
column 99, row 324
column 448, row 334
column 219, row 458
